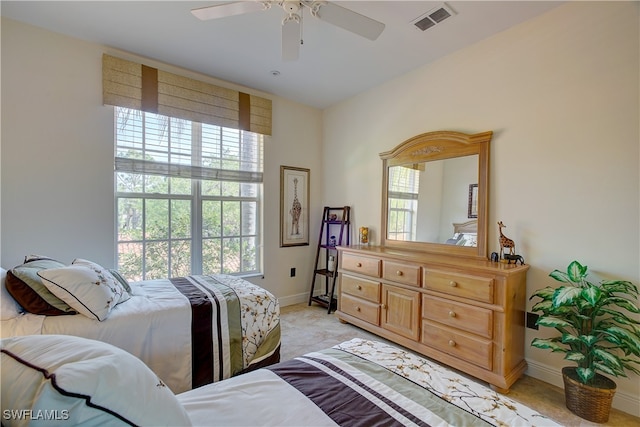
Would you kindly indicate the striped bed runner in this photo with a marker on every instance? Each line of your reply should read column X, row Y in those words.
column 216, row 331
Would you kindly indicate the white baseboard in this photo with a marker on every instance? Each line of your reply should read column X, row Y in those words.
column 293, row 299
column 622, row 401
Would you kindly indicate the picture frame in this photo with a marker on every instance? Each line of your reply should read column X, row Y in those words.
column 473, row 201
column 294, row 206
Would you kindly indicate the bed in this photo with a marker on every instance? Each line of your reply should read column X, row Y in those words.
column 190, row 330
column 355, row 383
column 464, row 234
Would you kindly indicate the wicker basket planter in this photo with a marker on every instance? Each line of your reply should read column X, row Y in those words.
column 588, row 402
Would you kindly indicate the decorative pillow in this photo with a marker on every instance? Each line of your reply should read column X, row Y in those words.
column 86, row 290
column 9, row 307
column 78, row 381
column 27, row 288
column 108, row 276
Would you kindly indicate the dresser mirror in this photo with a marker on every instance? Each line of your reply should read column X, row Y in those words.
column 435, row 194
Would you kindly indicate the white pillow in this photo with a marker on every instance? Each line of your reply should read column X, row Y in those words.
column 70, row 380
column 85, row 290
column 9, row 308
column 108, row 277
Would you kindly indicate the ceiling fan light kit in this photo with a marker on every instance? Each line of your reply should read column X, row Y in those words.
column 292, row 22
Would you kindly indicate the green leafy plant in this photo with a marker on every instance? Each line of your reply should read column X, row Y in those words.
column 596, row 333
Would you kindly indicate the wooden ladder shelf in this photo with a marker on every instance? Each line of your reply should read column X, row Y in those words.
column 334, row 231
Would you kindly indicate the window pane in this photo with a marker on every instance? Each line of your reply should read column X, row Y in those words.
column 211, row 256
column 129, row 219
column 156, row 136
column 180, row 219
column 130, row 260
column 230, row 218
column 249, row 255
column 157, row 260
column 180, row 141
column 249, row 218
column 211, row 216
column 157, row 219
column 230, row 189
column 156, row 184
column 249, row 190
column 211, row 188
column 129, row 182
column 180, row 185
column 231, row 256
column 180, row 258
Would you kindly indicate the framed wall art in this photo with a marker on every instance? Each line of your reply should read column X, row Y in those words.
column 294, row 206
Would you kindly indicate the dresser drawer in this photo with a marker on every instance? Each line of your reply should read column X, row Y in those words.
column 474, row 350
column 401, row 273
column 364, row 310
column 361, row 264
column 462, row 285
column 458, row 315
column 361, row 288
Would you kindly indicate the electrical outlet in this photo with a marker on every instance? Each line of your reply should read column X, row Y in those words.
column 532, row 318
column 293, row 272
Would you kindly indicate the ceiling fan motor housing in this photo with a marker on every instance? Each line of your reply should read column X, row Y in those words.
column 291, row 6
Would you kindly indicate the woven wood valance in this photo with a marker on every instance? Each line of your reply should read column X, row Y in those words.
column 132, row 85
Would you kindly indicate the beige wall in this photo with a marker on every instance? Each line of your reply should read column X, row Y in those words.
column 561, row 94
column 57, row 158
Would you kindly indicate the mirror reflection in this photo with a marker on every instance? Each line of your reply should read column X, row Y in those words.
column 434, row 201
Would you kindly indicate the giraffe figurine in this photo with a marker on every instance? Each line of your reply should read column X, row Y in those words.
column 505, row 242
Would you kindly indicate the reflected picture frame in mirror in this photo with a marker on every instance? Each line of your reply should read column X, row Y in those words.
column 415, row 154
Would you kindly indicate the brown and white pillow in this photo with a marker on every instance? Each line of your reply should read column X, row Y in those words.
column 26, row 287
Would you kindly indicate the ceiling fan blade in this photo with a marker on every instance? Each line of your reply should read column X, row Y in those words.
column 290, row 39
column 346, row 19
column 229, row 9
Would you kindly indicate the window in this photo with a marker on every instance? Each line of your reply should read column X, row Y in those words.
column 188, row 197
column 403, row 203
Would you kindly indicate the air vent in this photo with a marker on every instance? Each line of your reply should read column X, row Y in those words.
column 433, row 17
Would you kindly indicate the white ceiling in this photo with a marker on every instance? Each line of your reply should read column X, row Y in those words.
column 334, row 64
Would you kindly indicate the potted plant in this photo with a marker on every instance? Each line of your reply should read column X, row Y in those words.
column 595, row 333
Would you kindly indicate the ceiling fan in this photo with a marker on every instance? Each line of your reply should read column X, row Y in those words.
column 291, row 24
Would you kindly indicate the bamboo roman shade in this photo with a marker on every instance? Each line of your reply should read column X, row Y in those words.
column 132, row 85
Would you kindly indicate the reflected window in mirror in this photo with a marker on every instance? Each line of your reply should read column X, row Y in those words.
column 404, row 190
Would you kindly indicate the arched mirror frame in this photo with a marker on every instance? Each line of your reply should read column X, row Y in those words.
column 438, row 146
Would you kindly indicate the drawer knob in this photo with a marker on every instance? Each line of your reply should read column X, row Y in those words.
column 384, row 306
column 358, row 264
column 359, row 287
column 453, row 284
column 452, row 313
column 399, row 273
column 357, row 308
column 452, row 343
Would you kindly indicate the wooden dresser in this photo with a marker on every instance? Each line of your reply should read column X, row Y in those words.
column 463, row 312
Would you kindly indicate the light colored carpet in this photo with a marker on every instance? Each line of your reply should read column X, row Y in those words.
column 306, row 329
